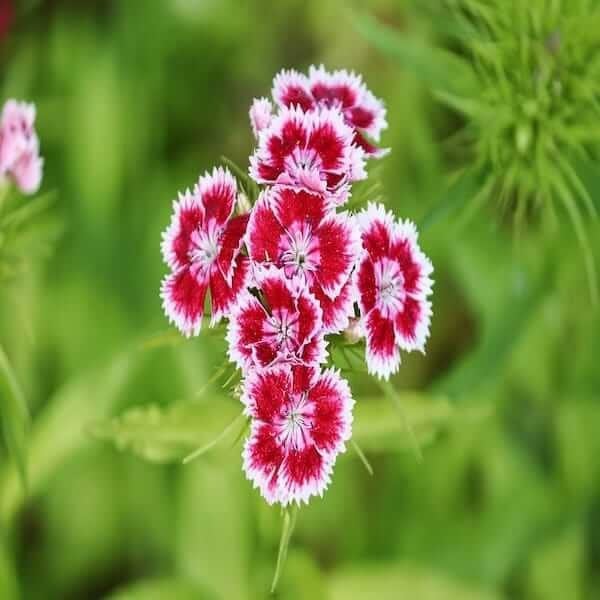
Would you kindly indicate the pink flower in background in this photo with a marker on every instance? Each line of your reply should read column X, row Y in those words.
column 261, row 113
column 311, row 151
column 393, row 281
column 202, row 247
column 283, row 324
column 340, row 90
column 19, row 146
column 299, row 233
column 301, row 420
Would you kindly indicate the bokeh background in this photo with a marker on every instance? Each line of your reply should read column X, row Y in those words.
column 135, row 99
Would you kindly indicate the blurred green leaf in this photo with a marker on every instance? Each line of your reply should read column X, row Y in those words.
column 435, row 67
column 168, row 434
column 15, row 417
column 160, row 589
column 557, row 568
column 390, row 582
column 59, row 430
column 379, row 427
column 9, row 589
column 213, row 526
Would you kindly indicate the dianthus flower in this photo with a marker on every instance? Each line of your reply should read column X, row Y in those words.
column 313, row 151
column 341, row 90
column 19, row 146
column 282, row 322
column 393, row 282
column 202, row 247
column 301, row 420
column 299, row 233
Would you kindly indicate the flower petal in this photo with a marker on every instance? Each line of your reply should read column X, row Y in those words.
column 336, row 312
column 231, row 243
column 216, row 192
column 290, row 88
column 188, row 215
column 332, row 416
column 223, row 294
column 183, row 293
column 383, row 356
column 304, row 473
column 262, row 460
column 339, row 248
column 412, row 324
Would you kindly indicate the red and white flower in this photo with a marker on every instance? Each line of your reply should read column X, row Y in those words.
column 301, row 420
column 19, row 146
column 202, row 247
column 283, row 322
column 298, row 232
column 341, row 90
column 313, row 151
column 393, row 282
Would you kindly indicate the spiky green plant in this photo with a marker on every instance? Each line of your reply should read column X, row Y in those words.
column 525, row 75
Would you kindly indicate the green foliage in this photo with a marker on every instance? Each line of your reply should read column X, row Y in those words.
column 134, row 100
column 15, row 417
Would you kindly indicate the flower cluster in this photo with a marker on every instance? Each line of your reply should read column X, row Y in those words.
column 296, row 270
column 19, row 146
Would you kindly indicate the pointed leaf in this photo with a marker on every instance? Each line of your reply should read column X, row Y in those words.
column 14, row 414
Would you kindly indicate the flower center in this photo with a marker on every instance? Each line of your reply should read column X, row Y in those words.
column 281, row 328
column 304, row 166
column 391, row 293
column 295, row 422
column 299, row 254
column 205, row 246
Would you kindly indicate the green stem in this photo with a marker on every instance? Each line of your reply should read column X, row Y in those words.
column 289, row 523
column 362, row 457
column 388, row 389
column 203, row 449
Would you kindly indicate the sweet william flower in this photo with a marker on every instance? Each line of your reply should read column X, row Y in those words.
column 19, row 146
column 393, row 283
column 312, row 151
column 341, row 90
column 301, row 419
column 202, row 246
column 299, row 233
column 283, row 323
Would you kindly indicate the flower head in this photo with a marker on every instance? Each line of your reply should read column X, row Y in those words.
column 283, row 323
column 301, row 420
column 299, row 233
column 313, row 151
column 341, row 90
column 19, row 146
column 202, row 247
column 393, row 282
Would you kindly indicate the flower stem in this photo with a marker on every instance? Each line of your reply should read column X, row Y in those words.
column 363, row 458
column 203, row 449
column 289, row 523
column 388, row 389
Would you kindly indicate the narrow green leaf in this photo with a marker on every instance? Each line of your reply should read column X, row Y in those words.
column 15, row 417
column 290, row 514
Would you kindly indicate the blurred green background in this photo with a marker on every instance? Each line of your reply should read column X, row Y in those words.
column 135, row 99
